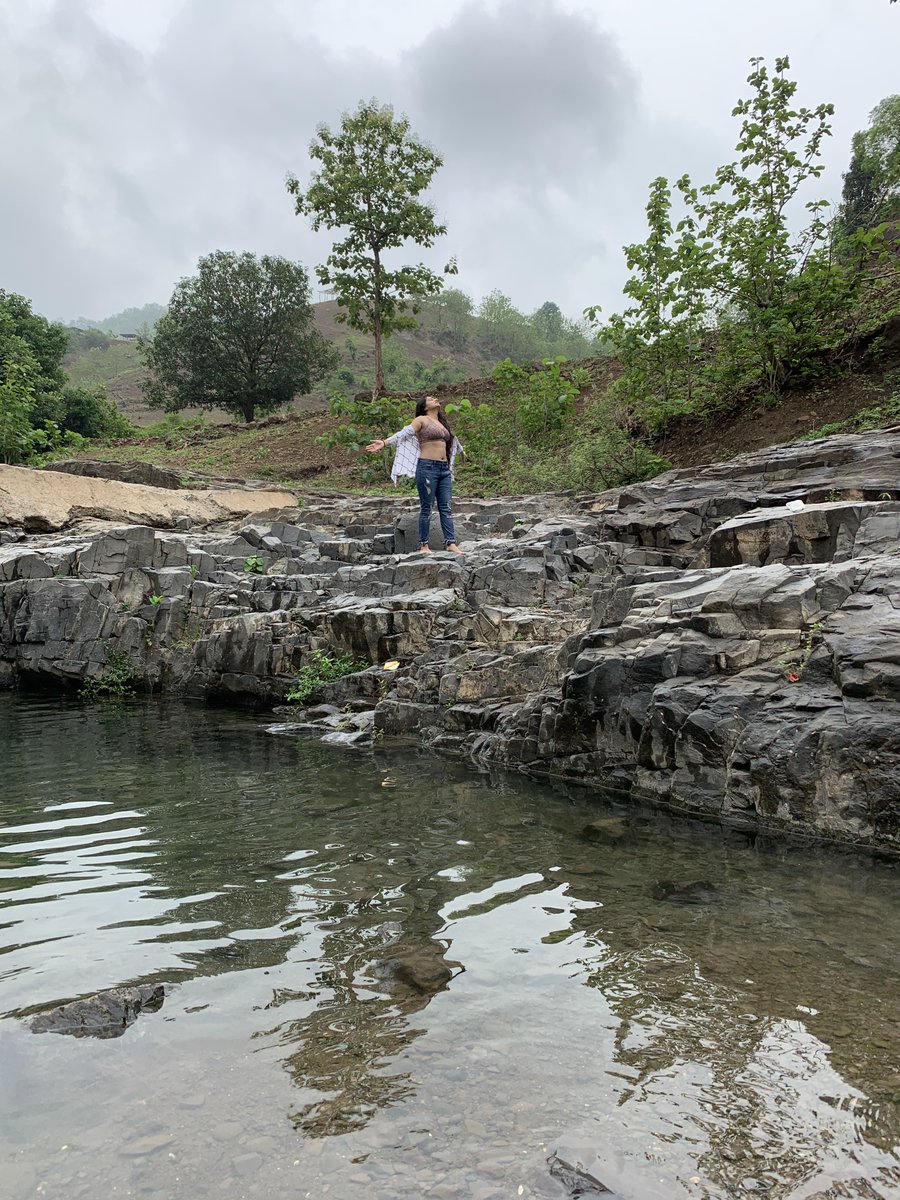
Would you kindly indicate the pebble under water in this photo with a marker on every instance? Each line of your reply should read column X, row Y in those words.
column 388, row 975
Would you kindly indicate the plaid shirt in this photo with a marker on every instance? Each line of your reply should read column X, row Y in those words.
column 407, row 456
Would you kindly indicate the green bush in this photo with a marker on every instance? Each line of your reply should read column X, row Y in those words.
column 321, row 669
column 116, row 682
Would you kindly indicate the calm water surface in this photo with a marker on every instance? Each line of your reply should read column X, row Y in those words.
column 390, row 976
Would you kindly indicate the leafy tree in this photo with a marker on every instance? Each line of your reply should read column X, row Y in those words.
column 372, row 173
column 872, row 183
column 19, row 379
column 47, row 341
column 549, row 322
column 238, row 335
column 506, row 332
column 777, row 293
column 734, row 296
column 451, row 311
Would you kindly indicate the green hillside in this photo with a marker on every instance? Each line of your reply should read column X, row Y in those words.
column 456, row 340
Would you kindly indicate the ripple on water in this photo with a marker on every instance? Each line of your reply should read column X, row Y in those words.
column 381, row 991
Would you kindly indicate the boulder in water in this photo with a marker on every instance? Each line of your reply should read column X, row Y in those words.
column 104, row 1015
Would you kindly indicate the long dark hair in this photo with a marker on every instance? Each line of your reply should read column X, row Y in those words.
column 441, row 417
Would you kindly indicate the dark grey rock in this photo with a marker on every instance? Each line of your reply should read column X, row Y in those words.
column 104, row 1015
column 698, row 891
column 576, row 1178
column 124, row 472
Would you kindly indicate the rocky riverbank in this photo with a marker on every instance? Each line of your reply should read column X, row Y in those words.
column 724, row 641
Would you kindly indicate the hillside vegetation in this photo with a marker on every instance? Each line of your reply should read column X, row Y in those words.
column 754, row 316
column 455, row 340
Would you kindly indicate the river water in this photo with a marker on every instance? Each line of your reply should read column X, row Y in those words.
column 388, row 975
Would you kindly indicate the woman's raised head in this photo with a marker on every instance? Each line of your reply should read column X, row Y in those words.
column 428, row 406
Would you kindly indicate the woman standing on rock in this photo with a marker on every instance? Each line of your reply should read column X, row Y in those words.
column 427, row 450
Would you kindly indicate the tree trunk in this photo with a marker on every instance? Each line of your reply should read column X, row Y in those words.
column 378, row 389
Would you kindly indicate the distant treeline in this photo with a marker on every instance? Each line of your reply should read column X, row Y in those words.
column 495, row 329
column 130, row 320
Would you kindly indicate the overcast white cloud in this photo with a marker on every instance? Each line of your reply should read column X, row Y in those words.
column 137, row 137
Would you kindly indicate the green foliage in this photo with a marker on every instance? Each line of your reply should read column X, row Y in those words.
column 481, row 430
column 529, row 439
column 872, row 183
column 402, row 373
column 363, row 421
column 321, row 669
column 875, row 417
column 239, row 336
column 498, row 330
column 173, row 424
column 87, row 412
column 156, row 600
column 543, row 399
column 371, row 175
column 732, row 297
column 116, row 682
column 47, row 341
column 39, row 415
column 254, row 565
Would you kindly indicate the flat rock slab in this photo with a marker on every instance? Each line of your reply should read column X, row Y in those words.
column 44, row 501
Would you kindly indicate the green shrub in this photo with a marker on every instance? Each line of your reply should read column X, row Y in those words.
column 322, row 668
column 116, row 682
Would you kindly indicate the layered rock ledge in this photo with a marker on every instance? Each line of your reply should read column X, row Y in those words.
column 724, row 642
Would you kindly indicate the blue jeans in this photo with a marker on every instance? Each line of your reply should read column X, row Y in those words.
column 434, row 482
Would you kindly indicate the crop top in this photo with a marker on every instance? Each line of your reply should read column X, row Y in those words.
column 433, row 431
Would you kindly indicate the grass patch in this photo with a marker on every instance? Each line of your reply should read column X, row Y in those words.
column 867, row 418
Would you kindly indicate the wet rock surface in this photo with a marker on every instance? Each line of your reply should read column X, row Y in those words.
column 725, row 641
column 104, row 1015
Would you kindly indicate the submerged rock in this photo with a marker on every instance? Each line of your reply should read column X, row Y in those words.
column 575, row 1177
column 422, row 969
column 696, row 892
column 104, row 1015
column 608, row 831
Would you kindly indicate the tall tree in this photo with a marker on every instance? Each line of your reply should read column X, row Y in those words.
column 46, row 340
column 373, row 172
column 239, row 336
column 872, row 182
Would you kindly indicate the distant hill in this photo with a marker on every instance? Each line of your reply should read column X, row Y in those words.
column 130, row 320
column 454, row 342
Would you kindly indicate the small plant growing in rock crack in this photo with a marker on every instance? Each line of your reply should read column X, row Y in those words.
column 795, row 666
column 156, row 599
column 321, row 669
column 254, row 565
column 195, row 570
column 116, row 682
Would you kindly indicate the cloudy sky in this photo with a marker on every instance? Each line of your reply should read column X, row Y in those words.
column 140, row 134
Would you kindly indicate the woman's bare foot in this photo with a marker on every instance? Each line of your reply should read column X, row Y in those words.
column 453, row 548
column 424, row 548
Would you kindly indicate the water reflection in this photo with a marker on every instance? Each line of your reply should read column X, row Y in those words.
column 452, row 954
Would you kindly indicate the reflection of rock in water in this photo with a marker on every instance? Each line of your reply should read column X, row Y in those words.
column 345, row 1046
column 105, row 1015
